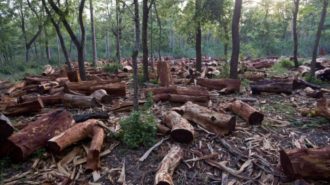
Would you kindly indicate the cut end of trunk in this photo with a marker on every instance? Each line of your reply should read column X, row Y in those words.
column 231, row 125
column 256, row 118
column 182, row 135
column 53, row 147
column 93, row 161
column 286, row 164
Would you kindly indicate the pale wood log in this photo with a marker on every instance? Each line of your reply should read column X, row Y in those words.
column 181, row 130
column 225, row 86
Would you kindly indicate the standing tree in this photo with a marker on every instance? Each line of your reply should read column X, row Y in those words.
column 318, row 36
column 198, row 42
column 93, row 32
column 80, row 44
column 235, row 40
column 146, row 10
column 294, row 32
column 135, row 54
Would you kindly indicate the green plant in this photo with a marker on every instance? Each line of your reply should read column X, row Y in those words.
column 224, row 72
column 149, row 102
column 113, row 67
column 285, row 63
column 312, row 79
column 138, row 129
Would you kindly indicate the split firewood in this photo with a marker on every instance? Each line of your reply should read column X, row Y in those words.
column 312, row 163
column 24, row 108
column 164, row 74
column 78, row 101
column 182, row 131
column 94, row 115
column 248, row 113
column 78, row 132
column 272, row 86
column 168, row 165
column 223, row 85
column 6, row 128
column 101, row 96
column 218, row 123
column 36, row 134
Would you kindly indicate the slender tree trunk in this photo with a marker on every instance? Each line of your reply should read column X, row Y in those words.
column 151, row 42
column 93, row 33
column 107, row 46
column 294, row 32
column 198, row 44
column 118, row 30
column 235, row 40
column 318, row 36
column 135, row 55
column 160, row 32
column 58, row 51
column 47, row 49
column 145, row 40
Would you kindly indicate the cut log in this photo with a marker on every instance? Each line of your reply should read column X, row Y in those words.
column 48, row 70
column 93, row 156
column 255, row 75
column 313, row 93
column 272, row 86
column 24, row 108
column 77, row 101
column 302, row 84
column 73, row 76
column 310, row 163
column 168, row 165
column 6, row 128
column 36, row 134
column 218, row 123
column 161, row 97
column 182, row 131
column 163, row 129
column 88, row 87
column 322, row 108
column 94, row 115
column 19, row 85
column 225, row 86
column 164, row 74
column 248, row 113
column 101, row 96
column 175, row 98
column 161, row 90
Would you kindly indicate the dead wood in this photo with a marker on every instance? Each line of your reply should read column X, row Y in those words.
column 19, row 85
column 73, row 76
column 6, row 128
column 94, row 115
column 248, row 113
column 93, row 156
column 101, row 96
column 77, row 101
column 168, row 165
column 272, row 86
column 164, row 74
column 182, row 131
column 219, row 123
column 312, row 163
column 322, row 108
column 36, row 134
column 313, row 93
column 24, row 108
column 225, row 86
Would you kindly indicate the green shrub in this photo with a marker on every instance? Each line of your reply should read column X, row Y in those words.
column 113, row 67
column 224, row 72
column 313, row 79
column 285, row 63
column 138, row 129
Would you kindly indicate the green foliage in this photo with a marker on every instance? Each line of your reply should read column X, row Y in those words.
column 149, row 102
column 224, row 71
column 138, row 129
column 113, row 67
column 313, row 79
column 285, row 63
column 17, row 70
column 313, row 122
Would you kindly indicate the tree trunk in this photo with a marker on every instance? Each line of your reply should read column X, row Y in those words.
column 36, row 134
column 248, row 113
column 198, row 44
column 118, row 31
column 160, row 33
column 168, row 165
column 218, row 123
column 145, row 40
column 304, row 163
column 135, row 55
column 93, row 32
column 294, row 32
column 318, row 36
column 182, row 131
column 235, row 40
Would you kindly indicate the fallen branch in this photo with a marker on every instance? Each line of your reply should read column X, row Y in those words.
column 148, row 152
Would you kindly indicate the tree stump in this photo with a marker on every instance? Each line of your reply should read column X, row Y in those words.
column 164, row 74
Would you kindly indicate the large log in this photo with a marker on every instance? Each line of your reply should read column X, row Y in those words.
column 176, row 98
column 272, row 86
column 310, row 163
column 168, row 165
column 101, row 96
column 6, row 128
column 182, row 131
column 36, row 134
column 248, row 113
column 73, row 76
column 94, row 115
column 19, row 85
column 223, row 85
column 77, row 101
column 164, row 74
column 93, row 156
column 219, row 123
column 24, row 108
column 88, row 87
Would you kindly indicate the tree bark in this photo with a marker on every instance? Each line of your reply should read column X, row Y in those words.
column 36, row 134
column 294, row 32
column 318, row 36
column 198, row 44
column 168, row 165
column 145, row 40
column 160, row 33
column 306, row 163
column 77, row 101
column 218, row 123
column 182, row 131
column 225, row 86
column 135, row 55
column 93, row 156
column 235, row 40
column 24, row 108
column 118, row 30
column 248, row 113
column 93, row 32
column 272, row 86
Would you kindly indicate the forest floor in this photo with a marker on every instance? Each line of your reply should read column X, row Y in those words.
column 253, row 149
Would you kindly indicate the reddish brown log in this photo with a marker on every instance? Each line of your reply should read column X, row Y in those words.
column 223, row 85
column 168, row 165
column 272, row 86
column 219, row 123
column 182, row 131
column 248, row 113
column 101, row 96
column 93, row 156
column 164, row 74
column 36, row 134
column 6, row 128
column 19, row 85
column 161, row 97
column 78, row 101
column 73, row 76
column 255, row 75
column 163, row 129
column 114, row 90
column 88, row 87
column 161, row 90
column 24, row 108
column 191, row 91
column 310, row 163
